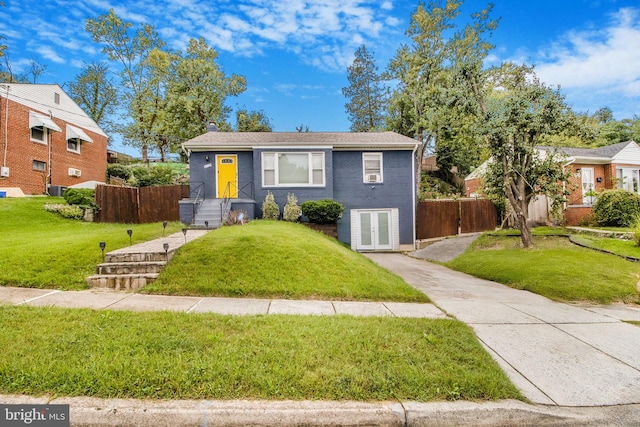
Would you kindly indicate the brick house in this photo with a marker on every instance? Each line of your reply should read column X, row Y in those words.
column 47, row 142
column 593, row 170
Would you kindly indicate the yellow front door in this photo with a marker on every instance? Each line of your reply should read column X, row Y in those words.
column 227, row 176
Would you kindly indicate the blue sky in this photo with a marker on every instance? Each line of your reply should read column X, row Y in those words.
column 294, row 53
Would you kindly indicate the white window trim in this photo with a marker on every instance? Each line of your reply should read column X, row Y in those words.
column 309, row 154
column 588, row 200
column 78, row 142
column 365, row 176
column 45, row 134
column 620, row 183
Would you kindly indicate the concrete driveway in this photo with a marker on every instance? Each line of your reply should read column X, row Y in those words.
column 556, row 354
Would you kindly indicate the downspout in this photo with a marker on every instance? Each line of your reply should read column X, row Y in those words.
column 414, row 196
column 6, row 128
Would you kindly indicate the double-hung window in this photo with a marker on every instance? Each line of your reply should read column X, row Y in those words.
column 627, row 179
column 372, row 167
column 293, row 169
column 39, row 134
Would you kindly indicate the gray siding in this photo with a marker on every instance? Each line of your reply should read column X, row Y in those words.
column 302, row 193
column 395, row 192
column 200, row 174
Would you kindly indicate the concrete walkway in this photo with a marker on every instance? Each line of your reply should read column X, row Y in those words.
column 114, row 300
column 557, row 354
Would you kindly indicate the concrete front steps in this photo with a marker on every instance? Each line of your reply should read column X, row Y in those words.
column 133, row 267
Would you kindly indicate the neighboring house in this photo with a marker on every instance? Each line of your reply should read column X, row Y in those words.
column 593, row 170
column 371, row 174
column 47, row 142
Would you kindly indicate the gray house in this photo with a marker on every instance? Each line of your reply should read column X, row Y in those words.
column 371, row 174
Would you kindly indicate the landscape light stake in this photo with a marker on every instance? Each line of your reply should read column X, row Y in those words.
column 184, row 231
column 102, row 246
column 206, row 225
column 164, row 227
column 129, row 232
column 165, row 246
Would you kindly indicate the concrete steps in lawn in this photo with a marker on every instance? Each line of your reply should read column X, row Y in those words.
column 133, row 267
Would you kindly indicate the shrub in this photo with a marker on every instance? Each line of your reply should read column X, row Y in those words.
column 636, row 231
column 66, row 211
column 325, row 211
column 151, row 176
column 616, row 208
column 270, row 209
column 119, row 171
column 84, row 197
column 292, row 211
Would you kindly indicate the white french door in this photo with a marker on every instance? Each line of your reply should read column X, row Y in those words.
column 374, row 229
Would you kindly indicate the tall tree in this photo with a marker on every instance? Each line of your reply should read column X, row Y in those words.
column 252, row 121
column 130, row 49
column 514, row 119
column 434, row 100
column 3, row 46
column 197, row 90
column 367, row 93
column 94, row 91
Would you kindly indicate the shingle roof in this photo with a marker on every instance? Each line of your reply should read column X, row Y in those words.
column 41, row 98
column 605, row 152
column 344, row 140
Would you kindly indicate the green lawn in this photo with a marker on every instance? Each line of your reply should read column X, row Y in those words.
column 40, row 249
column 622, row 247
column 554, row 268
column 276, row 259
column 163, row 355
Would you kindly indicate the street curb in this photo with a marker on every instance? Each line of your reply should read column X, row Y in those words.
column 87, row 411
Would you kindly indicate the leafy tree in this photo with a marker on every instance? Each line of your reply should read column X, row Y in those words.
column 437, row 72
column 130, row 49
column 197, row 91
column 302, row 128
column 3, row 47
column 367, row 93
column 603, row 115
column 513, row 121
column 252, row 121
column 94, row 91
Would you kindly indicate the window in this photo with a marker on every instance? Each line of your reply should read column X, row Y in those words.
column 288, row 169
column 588, row 186
column 628, row 179
column 39, row 134
column 39, row 166
column 73, row 144
column 372, row 167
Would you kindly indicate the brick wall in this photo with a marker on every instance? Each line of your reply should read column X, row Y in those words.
column 21, row 153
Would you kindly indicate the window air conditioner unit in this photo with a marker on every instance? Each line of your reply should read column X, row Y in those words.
column 4, row 172
column 374, row 177
column 75, row 172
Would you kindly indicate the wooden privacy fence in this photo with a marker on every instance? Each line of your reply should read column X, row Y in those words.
column 139, row 205
column 440, row 218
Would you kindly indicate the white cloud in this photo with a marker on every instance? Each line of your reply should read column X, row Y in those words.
column 47, row 52
column 605, row 59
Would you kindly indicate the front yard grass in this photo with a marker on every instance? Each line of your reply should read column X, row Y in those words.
column 276, row 259
column 165, row 355
column 554, row 268
column 40, row 249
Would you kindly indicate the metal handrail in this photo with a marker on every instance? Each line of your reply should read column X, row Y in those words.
column 224, row 205
column 199, row 198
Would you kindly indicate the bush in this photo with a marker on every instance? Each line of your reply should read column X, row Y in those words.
column 325, row 211
column 84, row 197
column 636, row 232
column 152, row 176
column 119, row 171
column 66, row 211
column 292, row 211
column 616, row 208
column 270, row 209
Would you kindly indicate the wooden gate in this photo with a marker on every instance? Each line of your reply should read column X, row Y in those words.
column 139, row 205
column 440, row 218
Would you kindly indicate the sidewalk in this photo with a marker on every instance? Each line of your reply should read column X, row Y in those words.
column 118, row 300
column 556, row 354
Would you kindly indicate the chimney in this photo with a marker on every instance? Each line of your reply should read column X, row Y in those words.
column 211, row 126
